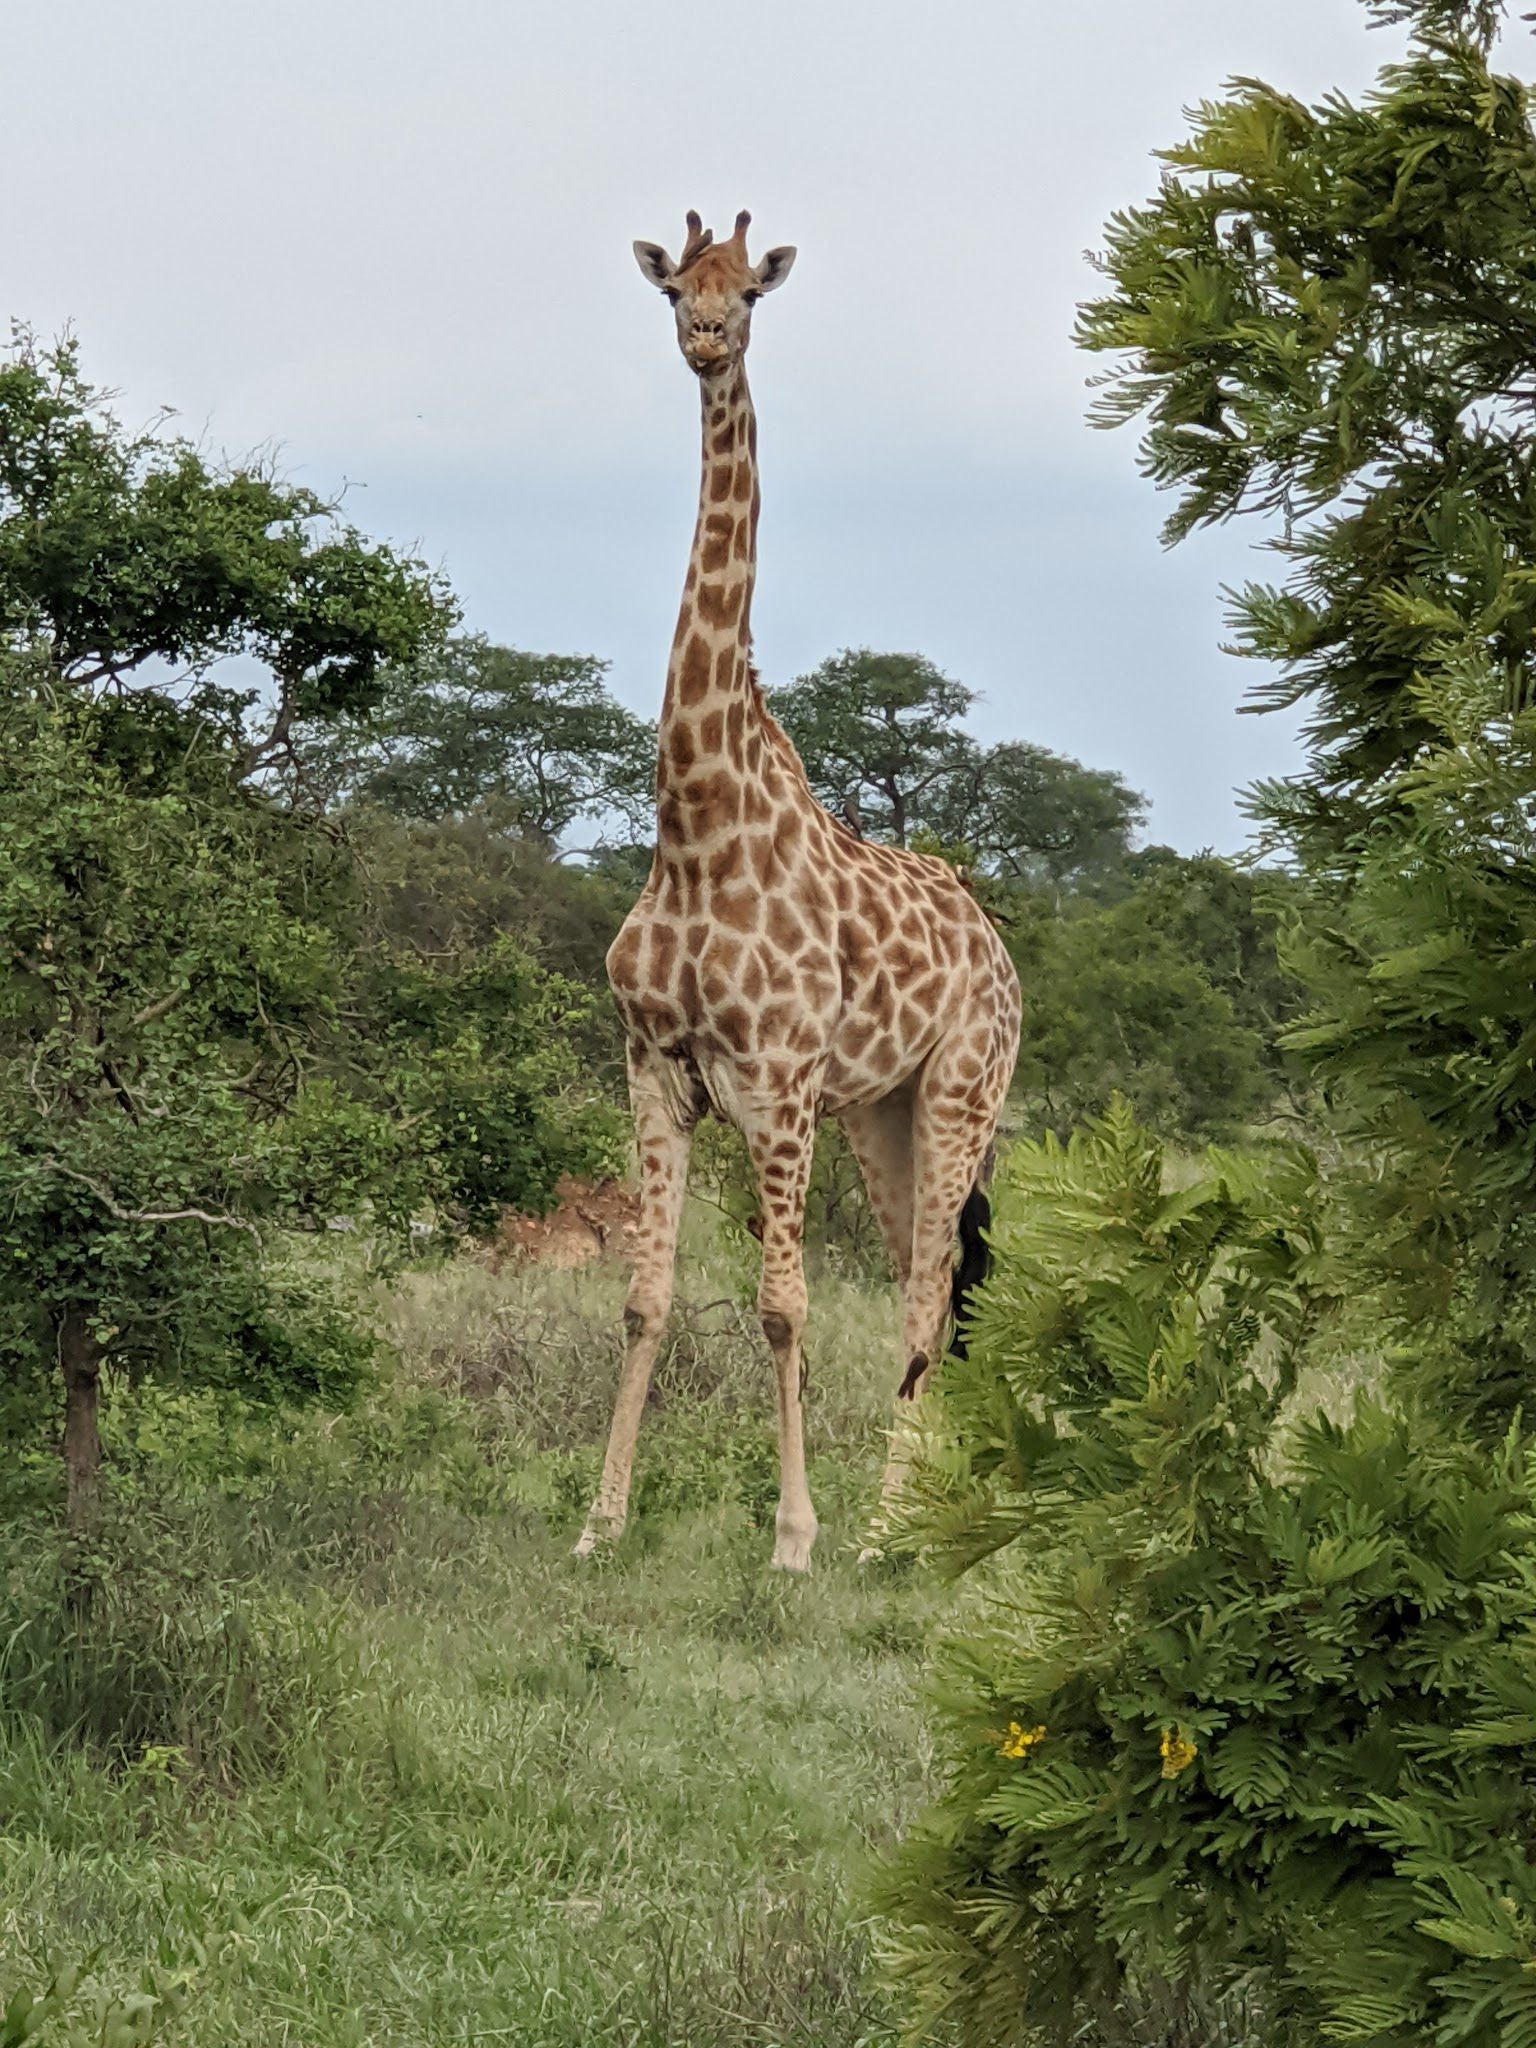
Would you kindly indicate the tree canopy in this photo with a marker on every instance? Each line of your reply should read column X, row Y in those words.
column 1325, row 317
column 883, row 746
column 1026, row 814
column 534, row 738
column 129, row 561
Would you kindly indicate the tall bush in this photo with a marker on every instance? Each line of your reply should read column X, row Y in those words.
column 1240, row 1703
column 199, row 1043
column 1325, row 317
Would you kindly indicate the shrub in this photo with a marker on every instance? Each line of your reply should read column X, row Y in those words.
column 1244, row 1701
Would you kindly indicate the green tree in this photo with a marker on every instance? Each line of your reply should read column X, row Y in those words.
column 130, row 563
column 167, row 967
column 453, row 890
column 201, row 1043
column 1231, row 922
column 1420, row 1030
column 1025, row 814
column 534, row 738
column 883, row 746
column 1239, row 1713
column 1115, row 1004
column 879, row 734
column 1325, row 316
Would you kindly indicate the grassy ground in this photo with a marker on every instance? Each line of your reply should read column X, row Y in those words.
column 349, row 1751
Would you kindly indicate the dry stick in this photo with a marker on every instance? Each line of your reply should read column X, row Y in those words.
column 153, row 1012
column 188, row 1215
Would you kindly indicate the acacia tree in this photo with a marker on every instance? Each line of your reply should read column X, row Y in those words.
column 197, row 1040
column 1328, row 317
column 1025, row 814
column 883, row 746
column 534, row 738
column 878, row 734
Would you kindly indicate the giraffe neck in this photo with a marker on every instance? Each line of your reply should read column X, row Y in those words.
column 712, row 707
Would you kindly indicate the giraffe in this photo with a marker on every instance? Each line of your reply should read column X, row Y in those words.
column 777, row 966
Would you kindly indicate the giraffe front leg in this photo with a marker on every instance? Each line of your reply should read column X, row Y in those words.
column 781, row 1159
column 663, row 1144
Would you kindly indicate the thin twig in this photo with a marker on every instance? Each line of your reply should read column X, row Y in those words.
column 188, row 1215
column 153, row 1012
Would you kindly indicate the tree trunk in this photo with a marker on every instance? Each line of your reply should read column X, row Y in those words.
column 80, row 1365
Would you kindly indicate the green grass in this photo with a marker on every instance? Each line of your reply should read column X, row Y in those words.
column 347, row 1750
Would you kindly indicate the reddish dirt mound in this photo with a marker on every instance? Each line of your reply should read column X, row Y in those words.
column 593, row 1220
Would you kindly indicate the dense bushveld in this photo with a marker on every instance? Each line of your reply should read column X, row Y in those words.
column 1221, row 1728
column 309, row 1730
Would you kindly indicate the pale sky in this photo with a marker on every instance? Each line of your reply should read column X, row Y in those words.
column 393, row 241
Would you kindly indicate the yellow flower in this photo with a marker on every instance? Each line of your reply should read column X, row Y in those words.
column 1020, row 1741
column 1178, row 1752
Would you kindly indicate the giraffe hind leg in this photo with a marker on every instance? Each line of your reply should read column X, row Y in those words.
column 974, row 1265
column 954, row 1123
column 952, row 1130
column 879, row 1135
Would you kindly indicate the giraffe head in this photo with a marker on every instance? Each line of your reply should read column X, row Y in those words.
column 713, row 288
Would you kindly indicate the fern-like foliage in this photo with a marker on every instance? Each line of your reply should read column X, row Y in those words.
column 1285, row 1667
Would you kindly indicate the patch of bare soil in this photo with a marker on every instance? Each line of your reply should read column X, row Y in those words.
column 592, row 1220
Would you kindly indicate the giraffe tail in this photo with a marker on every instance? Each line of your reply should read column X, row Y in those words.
column 975, row 1263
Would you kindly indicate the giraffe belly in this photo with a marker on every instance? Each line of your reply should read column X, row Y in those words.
column 879, row 1043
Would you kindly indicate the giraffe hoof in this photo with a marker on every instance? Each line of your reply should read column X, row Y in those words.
column 596, row 1536
column 792, row 1549
column 796, row 1560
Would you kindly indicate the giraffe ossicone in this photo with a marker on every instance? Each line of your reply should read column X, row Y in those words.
column 778, row 968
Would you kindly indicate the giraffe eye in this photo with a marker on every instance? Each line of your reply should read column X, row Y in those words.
column 672, row 294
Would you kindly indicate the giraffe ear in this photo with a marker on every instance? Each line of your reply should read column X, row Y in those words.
column 655, row 264
column 774, row 268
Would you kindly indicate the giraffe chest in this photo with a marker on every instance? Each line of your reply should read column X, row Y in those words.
column 730, row 979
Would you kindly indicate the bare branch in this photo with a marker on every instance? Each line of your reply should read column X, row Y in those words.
column 187, row 1215
column 153, row 1012
column 260, row 752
